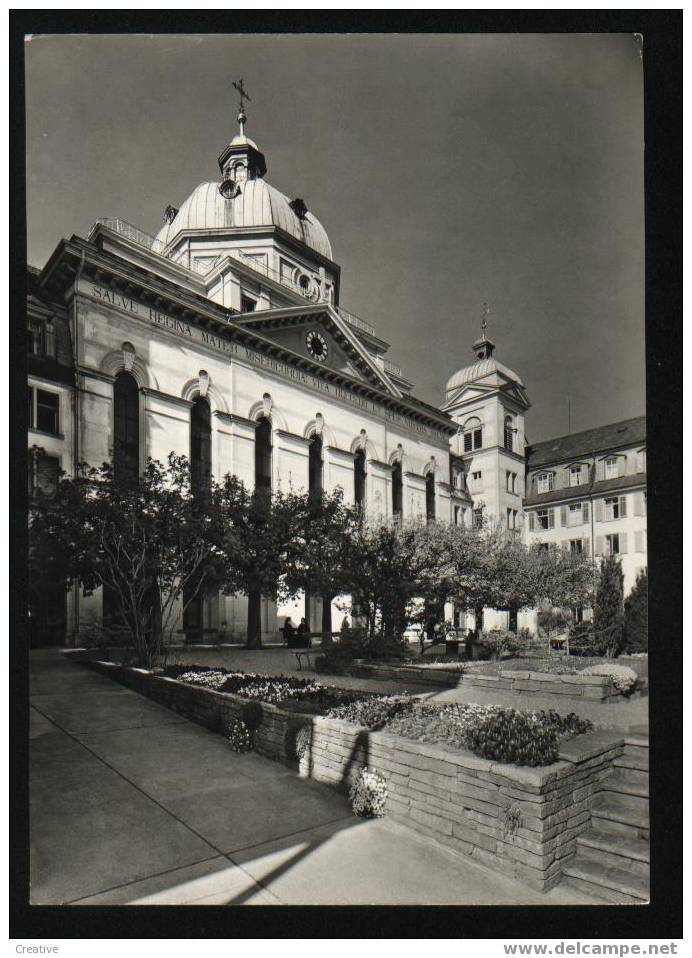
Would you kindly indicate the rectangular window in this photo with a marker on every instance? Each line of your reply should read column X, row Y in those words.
column 575, row 514
column 247, row 304
column 611, row 468
column 612, row 508
column 457, row 515
column 578, row 613
column 575, row 475
column 576, row 546
column 545, row 482
column 43, row 474
column 478, row 518
column 44, row 411
column 476, row 476
column 543, row 517
column 612, row 544
column 509, row 518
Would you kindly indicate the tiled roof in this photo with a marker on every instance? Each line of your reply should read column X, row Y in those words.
column 585, row 489
column 616, row 434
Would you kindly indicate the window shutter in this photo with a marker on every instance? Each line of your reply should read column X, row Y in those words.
column 599, row 511
column 623, row 542
column 532, row 520
column 551, row 518
column 622, row 465
column 638, row 504
column 563, row 515
column 599, row 545
column 584, row 512
column 623, row 506
column 49, row 339
column 639, row 541
column 586, row 547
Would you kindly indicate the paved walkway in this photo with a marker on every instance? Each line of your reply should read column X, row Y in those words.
column 131, row 804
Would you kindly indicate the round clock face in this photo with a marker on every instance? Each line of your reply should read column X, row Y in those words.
column 317, row 345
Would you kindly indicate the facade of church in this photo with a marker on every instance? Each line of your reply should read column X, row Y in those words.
column 222, row 338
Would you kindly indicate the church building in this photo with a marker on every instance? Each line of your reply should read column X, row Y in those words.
column 223, row 338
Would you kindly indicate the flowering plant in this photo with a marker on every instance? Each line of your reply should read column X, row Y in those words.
column 211, row 680
column 368, row 794
column 239, row 736
column 623, row 678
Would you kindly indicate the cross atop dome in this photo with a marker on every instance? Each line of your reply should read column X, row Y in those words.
column 484, row 347
column 241, row 160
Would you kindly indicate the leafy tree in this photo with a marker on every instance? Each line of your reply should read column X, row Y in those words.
column 145, row 541
column 637, row 615
column 317, row 560
column 257, row 534
column 608, row 620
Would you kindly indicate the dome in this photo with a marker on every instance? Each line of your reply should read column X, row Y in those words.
column 479, row 370
column 257, row 204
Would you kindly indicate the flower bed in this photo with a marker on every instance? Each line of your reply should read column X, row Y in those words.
column 522, row 822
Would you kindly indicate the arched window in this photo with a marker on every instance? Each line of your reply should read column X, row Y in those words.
column 430, row 497
column 263, row 455
column 126, row 428
column 315, row 466
column 509, row 433
column 473, row 434
column 200, row 446
column 397, row 491
column 359, row 478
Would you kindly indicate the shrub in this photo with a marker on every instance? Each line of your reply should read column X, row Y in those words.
column 565, row 726
column 637, row 616
column 371, row 712
column 368, row 794
column 623, row 678
column 500, row 642
column 583, row 642
column 239, row 736
column 508, row 735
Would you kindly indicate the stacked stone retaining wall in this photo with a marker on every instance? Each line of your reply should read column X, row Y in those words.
column 522, row 822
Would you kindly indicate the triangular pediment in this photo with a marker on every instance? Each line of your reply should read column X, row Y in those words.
column 481, row 390
column 317, row 333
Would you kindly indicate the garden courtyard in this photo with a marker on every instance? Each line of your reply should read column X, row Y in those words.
column 132, row 803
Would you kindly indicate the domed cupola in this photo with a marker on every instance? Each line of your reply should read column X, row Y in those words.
column 486, row 365
column 216, row 214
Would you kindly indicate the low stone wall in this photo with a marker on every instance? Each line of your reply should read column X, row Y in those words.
column 411, row 674
column 595, row 688
column 522, row 822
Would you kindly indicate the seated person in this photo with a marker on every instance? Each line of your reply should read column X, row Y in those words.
column 289, row 633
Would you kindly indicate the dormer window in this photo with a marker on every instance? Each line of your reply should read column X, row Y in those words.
column 611, row 467
column 575, row 475
column 544, row 482
column 41, row 338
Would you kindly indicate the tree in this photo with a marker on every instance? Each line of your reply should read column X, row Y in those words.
column 608, row 620
column 317, row 560
column 146, row 542
column 637, row 615
column 256, row 533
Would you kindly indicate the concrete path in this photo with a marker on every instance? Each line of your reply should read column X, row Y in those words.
column 130, row 804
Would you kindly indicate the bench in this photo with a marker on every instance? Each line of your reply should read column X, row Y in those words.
column 304, row 653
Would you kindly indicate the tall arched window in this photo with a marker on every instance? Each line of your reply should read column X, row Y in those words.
column 509, row 433
column 473, row 434
column 126, row 428
column 397, row 491
column 263, row 455
column 315, row 466
column 430, row 497
column 200, row 482
column 359, row 478
column 200, row 446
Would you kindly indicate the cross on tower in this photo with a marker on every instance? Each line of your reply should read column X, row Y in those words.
column 484, row 319
column 242, row 94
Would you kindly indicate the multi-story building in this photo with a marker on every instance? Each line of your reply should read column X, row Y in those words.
column 587, row 492
column 223, row 338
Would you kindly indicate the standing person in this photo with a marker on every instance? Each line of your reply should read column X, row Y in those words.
column 302, row 633
column 289, row 632
column 345, row 629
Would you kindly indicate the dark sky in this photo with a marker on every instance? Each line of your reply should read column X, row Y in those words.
column 447, row 170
